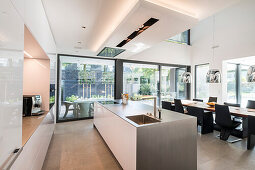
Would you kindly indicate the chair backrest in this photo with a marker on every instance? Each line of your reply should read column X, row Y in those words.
column 223, row 117
column 197, row 112
column 250, row 104
column 198, row 100
column 178, row 106
column 166, row 105
column 232, row 104
column 212, row 99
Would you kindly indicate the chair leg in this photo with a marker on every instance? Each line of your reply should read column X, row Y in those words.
column 66, row 112
column 224, row 134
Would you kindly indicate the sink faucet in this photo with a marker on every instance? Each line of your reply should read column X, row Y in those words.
column 155, row 104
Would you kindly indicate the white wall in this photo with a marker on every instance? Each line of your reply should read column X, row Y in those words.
column 165, row 52
column 234, row 33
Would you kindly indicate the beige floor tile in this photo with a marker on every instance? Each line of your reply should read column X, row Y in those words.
column 78, row 146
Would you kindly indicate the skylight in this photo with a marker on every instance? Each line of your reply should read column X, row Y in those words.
column 182, row 38
column 110, row 52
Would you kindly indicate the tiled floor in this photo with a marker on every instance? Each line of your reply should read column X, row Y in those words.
column 78, row 146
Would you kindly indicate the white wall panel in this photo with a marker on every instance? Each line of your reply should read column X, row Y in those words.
column 119, row 135
column 11, row 68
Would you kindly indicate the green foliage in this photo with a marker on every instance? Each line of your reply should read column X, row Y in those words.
column 52, row 99
column 145, row 89
column 72, row 98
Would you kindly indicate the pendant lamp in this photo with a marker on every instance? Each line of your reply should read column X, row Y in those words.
column 186, row 77
column 251, row 74
column 213, row 75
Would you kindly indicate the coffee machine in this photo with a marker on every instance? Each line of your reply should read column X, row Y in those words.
column 32, row 105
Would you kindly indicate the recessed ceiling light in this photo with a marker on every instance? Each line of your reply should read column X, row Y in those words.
column 141, row 29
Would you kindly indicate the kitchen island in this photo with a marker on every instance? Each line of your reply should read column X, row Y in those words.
column 145, row 143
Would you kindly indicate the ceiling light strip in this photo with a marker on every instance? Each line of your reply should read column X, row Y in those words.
column 144, row 27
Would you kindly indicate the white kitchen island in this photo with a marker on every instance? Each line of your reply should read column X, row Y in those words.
column 168, row 144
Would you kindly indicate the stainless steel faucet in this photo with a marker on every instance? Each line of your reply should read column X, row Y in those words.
column 155, row 104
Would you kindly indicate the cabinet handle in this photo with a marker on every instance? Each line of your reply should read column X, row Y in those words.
column 11, row 159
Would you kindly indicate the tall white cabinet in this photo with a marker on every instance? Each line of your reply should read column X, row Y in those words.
column 11, row 69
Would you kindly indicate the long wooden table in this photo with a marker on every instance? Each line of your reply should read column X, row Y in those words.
column 248, row 115
column 235, row 111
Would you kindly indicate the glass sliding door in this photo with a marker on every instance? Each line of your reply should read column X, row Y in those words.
column 141, row 81
column 167, row 83
column 231, row 83
column 247, row 89
column 180, row 87
column 83, row 81
column 201, row 87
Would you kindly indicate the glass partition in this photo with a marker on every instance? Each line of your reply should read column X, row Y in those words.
column 82, row 82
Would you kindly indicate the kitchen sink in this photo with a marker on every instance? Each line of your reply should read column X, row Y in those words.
column 142, row 119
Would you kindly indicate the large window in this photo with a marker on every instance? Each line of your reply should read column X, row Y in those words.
column 238, row 89
column 179, row 85
column 83, row 81
column 201, row 87
column 247, row 89
column 140, row 80
column 167, row 83
column 231, row 83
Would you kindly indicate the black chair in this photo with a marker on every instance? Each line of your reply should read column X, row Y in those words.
column 250, row 104
column 204, row 119
column 232, row 104
column 198, row 100
column 178, row 106
column 239, row 119
column 223, row 120
column 251, row 132
column 167, row 105
column 212, row 99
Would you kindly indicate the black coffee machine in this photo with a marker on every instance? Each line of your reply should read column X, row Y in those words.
column 32, row 105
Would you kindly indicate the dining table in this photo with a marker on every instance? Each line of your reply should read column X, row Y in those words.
column 235, row 111
column 247, row 116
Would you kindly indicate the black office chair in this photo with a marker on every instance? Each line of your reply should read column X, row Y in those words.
column 223, row 120
column 232, row 104
column 239, row 119
column 198, row 100
column 167, row 105
column 251, row 132
column 178, row 106
column 212, row 99
column 250, row 104
column 204, row 119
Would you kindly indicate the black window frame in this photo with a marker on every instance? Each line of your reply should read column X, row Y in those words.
column 118, row 79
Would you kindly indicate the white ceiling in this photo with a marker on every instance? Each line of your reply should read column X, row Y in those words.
column 108, row 22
